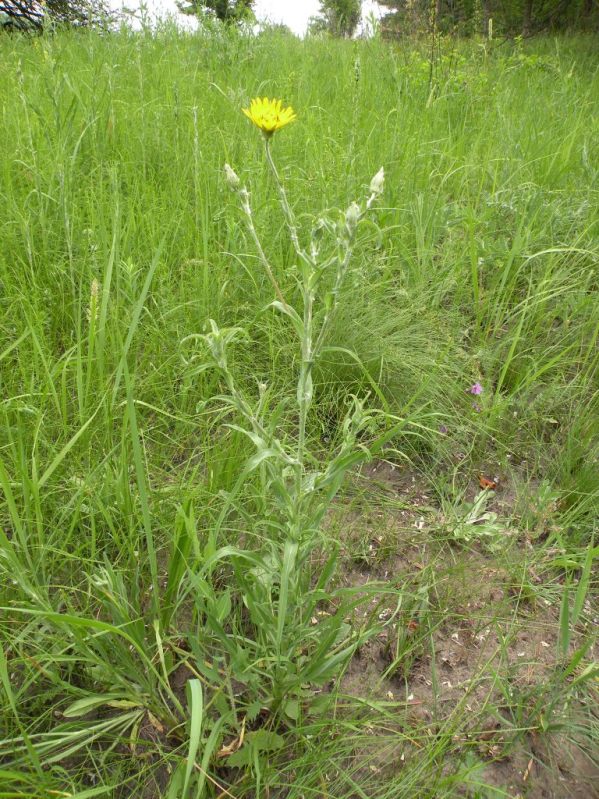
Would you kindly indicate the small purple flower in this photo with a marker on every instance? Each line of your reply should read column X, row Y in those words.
column 476, row 389
column 443, row 429
column 476, row 407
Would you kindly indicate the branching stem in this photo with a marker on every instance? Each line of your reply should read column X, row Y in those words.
column 245, row 204
column 287, row 210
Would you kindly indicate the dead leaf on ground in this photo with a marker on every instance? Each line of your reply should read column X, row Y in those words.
column 235, row 744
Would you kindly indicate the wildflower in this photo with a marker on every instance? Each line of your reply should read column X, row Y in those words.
column 269, row 115
column 476, row 389
column 443, row 429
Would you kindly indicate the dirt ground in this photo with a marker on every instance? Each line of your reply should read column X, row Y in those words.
column 477, row 654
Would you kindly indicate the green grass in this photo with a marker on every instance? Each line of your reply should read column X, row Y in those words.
column 134, row 628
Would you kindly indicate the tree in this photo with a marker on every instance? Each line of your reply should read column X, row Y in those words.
column 510, row 17
column 32, row 15
column 229, row 11
column 405, row 16
column 337, row 17
column 276, row 29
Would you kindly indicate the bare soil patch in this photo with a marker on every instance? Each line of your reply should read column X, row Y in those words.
column 480, row 654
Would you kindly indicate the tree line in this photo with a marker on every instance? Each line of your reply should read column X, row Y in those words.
column 466, row 17
column 505, row 17
column 341, row 18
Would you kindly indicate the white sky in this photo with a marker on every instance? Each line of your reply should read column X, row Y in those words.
column 294, row 13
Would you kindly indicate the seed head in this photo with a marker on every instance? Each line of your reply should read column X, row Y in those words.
column 93, row 310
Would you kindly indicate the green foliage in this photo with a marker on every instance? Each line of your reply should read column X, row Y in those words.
column 337, row 17
column 509, row 17
column 229, row 11
column 475, row 523
column 29, row 15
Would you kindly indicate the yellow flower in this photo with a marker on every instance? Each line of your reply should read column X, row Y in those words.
column 269, row 115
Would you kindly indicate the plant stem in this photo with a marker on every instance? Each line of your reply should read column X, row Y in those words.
column 304, row 385
column 245, row 204
column 342, row 265
column 304, row 388
column 289, row 215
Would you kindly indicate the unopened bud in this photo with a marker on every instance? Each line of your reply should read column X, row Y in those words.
column 232, row 178
column 378, row 182
column 352, row 216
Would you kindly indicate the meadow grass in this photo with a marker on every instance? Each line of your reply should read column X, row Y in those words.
column 133, row 653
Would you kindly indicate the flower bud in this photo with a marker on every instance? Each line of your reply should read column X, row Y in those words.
column 378, row 182
column 232, row 178
column 352, row 216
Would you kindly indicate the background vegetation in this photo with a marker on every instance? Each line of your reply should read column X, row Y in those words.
column 133, row 660
column 509, row 17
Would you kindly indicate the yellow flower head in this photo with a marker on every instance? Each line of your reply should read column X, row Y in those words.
column 269, row 115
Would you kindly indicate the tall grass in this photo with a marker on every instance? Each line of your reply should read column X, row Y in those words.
column 120, row 238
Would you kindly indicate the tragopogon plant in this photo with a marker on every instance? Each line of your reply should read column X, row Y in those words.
column 307, row 497
column 277, row 589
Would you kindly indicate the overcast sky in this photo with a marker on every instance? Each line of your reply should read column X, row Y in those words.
column 294, row 13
